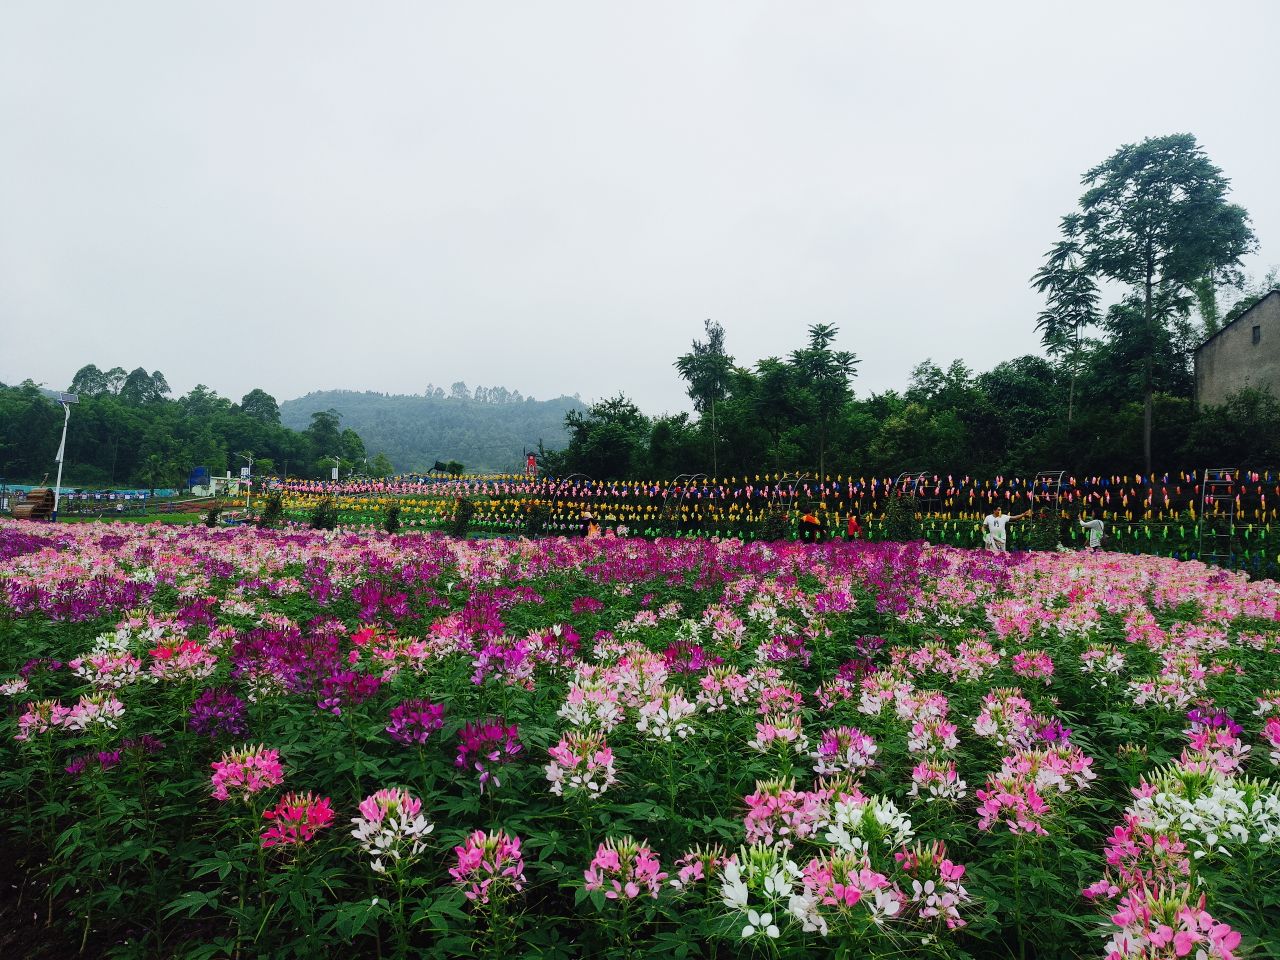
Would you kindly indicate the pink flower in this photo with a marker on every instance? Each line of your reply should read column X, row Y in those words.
column 625, row 869
column 582, row 763
column 1034, row 665
column 490, row 865
column 296, row 818
column 40, row 716
column 843, row 750
column 246, row 771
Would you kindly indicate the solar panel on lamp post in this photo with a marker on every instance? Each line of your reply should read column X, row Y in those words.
column 66, row 399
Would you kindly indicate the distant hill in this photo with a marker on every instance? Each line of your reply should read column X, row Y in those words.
column 415, row 431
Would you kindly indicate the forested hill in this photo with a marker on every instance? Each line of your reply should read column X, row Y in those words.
column 486, row 434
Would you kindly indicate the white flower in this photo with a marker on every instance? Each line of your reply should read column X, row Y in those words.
column 760, row 923
column 733, row 891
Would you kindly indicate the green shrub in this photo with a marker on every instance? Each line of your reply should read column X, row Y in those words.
column 212, row 514
column 1039, row 532
column 463, row 511
column 536, row 519
column 273, row 513
column 900, row 520
column 775, row 526
column 391, row 522
column 324, row 516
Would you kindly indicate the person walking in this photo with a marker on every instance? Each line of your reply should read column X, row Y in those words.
column 993, row 529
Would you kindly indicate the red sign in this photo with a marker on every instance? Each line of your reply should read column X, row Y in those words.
column 531, row 465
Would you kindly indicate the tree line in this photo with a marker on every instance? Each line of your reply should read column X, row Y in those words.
column 128, row 431
column 1114, row 394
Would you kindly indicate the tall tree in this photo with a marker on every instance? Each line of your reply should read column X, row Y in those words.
column 89, row 381
column 706, row 368
column 1072, row 301
column 825, row 374
column 1155, row 218
column 261, row 406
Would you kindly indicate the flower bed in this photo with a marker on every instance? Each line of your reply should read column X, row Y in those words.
column 241, row 742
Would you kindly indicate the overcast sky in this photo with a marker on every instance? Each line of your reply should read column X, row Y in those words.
column 553, row 196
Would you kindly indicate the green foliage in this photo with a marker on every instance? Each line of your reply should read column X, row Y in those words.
column 1155, row 219
column 488, row 431
column 535, row 519
column 900, row 520
column 273, row 511
column 324, row 515
column 775, row 526
column 1040, row 531
column 391, row 522
column 212, row 514
column 463, row 511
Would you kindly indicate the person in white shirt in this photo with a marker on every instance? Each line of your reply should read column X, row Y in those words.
column 1094, row 528
column 993, row 534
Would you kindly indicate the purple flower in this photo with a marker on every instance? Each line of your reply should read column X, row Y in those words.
column 215, row 712
column 1055, row 732
column 413, row 721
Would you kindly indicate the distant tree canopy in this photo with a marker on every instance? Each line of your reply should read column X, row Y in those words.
column 1081, row 409
column 126, row 430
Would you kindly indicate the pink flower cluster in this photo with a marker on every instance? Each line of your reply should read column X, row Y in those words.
column 778, row 814
column 1138, row 858
column 490, row 866
column 582, row 764
column 1158, row 926
column 413, row 721
column 938, row 779
column 936, row 890
column 182, row 661
column 1033, row 665
column 843, row 750
column 242, row 773
column 625, row 869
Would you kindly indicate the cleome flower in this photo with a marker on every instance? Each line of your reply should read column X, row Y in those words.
column 249, row 770
column 624, row 869
column 391, row 828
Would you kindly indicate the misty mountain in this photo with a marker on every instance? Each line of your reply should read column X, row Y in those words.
column 414, row 431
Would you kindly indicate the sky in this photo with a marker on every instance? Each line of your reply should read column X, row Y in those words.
column 554, row 196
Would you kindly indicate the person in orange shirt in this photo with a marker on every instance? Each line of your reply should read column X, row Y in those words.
column 809, row 527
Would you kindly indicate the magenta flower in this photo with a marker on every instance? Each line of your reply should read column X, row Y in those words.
column 346, row 688
column 413, row 721
column 490, row 866
column 295, row 819
column 486, row 746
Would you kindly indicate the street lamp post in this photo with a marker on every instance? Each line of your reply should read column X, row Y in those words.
column 337, row 461
column 248, row 487
column 66, row 399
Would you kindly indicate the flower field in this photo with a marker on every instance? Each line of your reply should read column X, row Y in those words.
column 245, row 743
